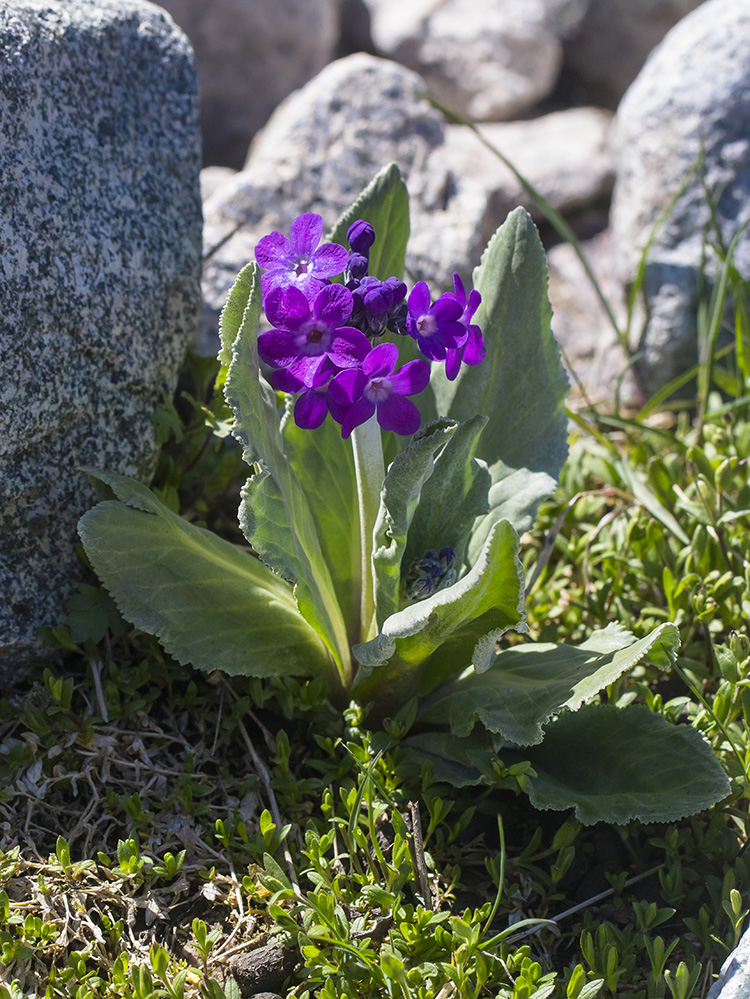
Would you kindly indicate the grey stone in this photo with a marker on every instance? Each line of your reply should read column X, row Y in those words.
column 326, row 142
column 99, row 274
column 614, row 38
column 734, row 978
column 586, row 335
column 212, row 177
column 250, row 55
column 490, row 60
column 566, row 155
column 692, row 93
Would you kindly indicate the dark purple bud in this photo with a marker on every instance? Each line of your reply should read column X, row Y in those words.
column 430, row 573
column 357, row 266
column 378, row 298
column 361, row 236
column 398, row 288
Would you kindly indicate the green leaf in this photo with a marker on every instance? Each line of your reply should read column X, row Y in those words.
column 209, row 603
column 232, row 314
column 615, row 765
column 324, row 464
column 455, row 761
column 91, row 613
column 642, row 492
column 275, row 515
column 452, row 497
column 527, row 684
column 521, row 385
column 384, row 203
column 398, row 501
column 422, row 645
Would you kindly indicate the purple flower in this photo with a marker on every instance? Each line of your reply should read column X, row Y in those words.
column 315, row 402
column 436, row 328
column 472, row 351
column 376, row 388
column 299, row 261
column 304, row 333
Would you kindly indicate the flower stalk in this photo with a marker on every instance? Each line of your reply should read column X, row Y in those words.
column 369, row 467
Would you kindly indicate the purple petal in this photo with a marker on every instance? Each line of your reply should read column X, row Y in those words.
column 277, row 348
column 274, row 250
column 333, row 305
column 459, row 290
column 419, row 300
column 452, row 334
column 399, row 414
column 474, row 351
column 328, row 260
column 306, row 368
column 305, row 234
column 283, row 380
column 431, row 347
column 474, row 299
column 287, row 308
column 446, row 309
column 337, row 411
column 347, row 386
column 452, row 363
column 381, row 360
column 310, row 409
column 412, row 378
column 348, row 347
column 360, row 413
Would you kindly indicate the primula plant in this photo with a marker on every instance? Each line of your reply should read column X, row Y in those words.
column 398, row 447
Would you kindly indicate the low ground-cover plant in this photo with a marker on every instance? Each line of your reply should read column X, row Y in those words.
column 393, row 585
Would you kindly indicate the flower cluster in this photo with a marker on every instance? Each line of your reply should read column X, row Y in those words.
column 321, row 345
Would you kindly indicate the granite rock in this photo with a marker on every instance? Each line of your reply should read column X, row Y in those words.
column 691, row 94
column 589, row 344
column 326, row 142
column 99, row 275
column 734, row 978
column 249, row 57
column 612, row 41
column 490, row 60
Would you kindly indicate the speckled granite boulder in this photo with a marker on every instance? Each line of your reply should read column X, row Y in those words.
column 326, row 142
column 734, row 978
column 99, row 274
column 250, row 54
column 491, row 60
column 693, row 91
column 611, row 43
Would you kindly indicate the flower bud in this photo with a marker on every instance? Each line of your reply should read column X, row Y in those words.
column 740, row 645
column 361, row 236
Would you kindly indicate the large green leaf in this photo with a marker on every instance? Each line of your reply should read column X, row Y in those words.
column 398, row 501
column 614, row 765
column 527, row 684
column 422, row 645
column 521, row 385
column 453, row 496
column 384, row 203
column 324, row 465
column 453, row 760
column 275, row 514
column 209, row 603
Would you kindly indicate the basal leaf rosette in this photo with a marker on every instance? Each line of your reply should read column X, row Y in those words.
column 532, row 708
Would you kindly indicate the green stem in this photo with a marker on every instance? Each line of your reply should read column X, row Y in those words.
column 369, row 466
